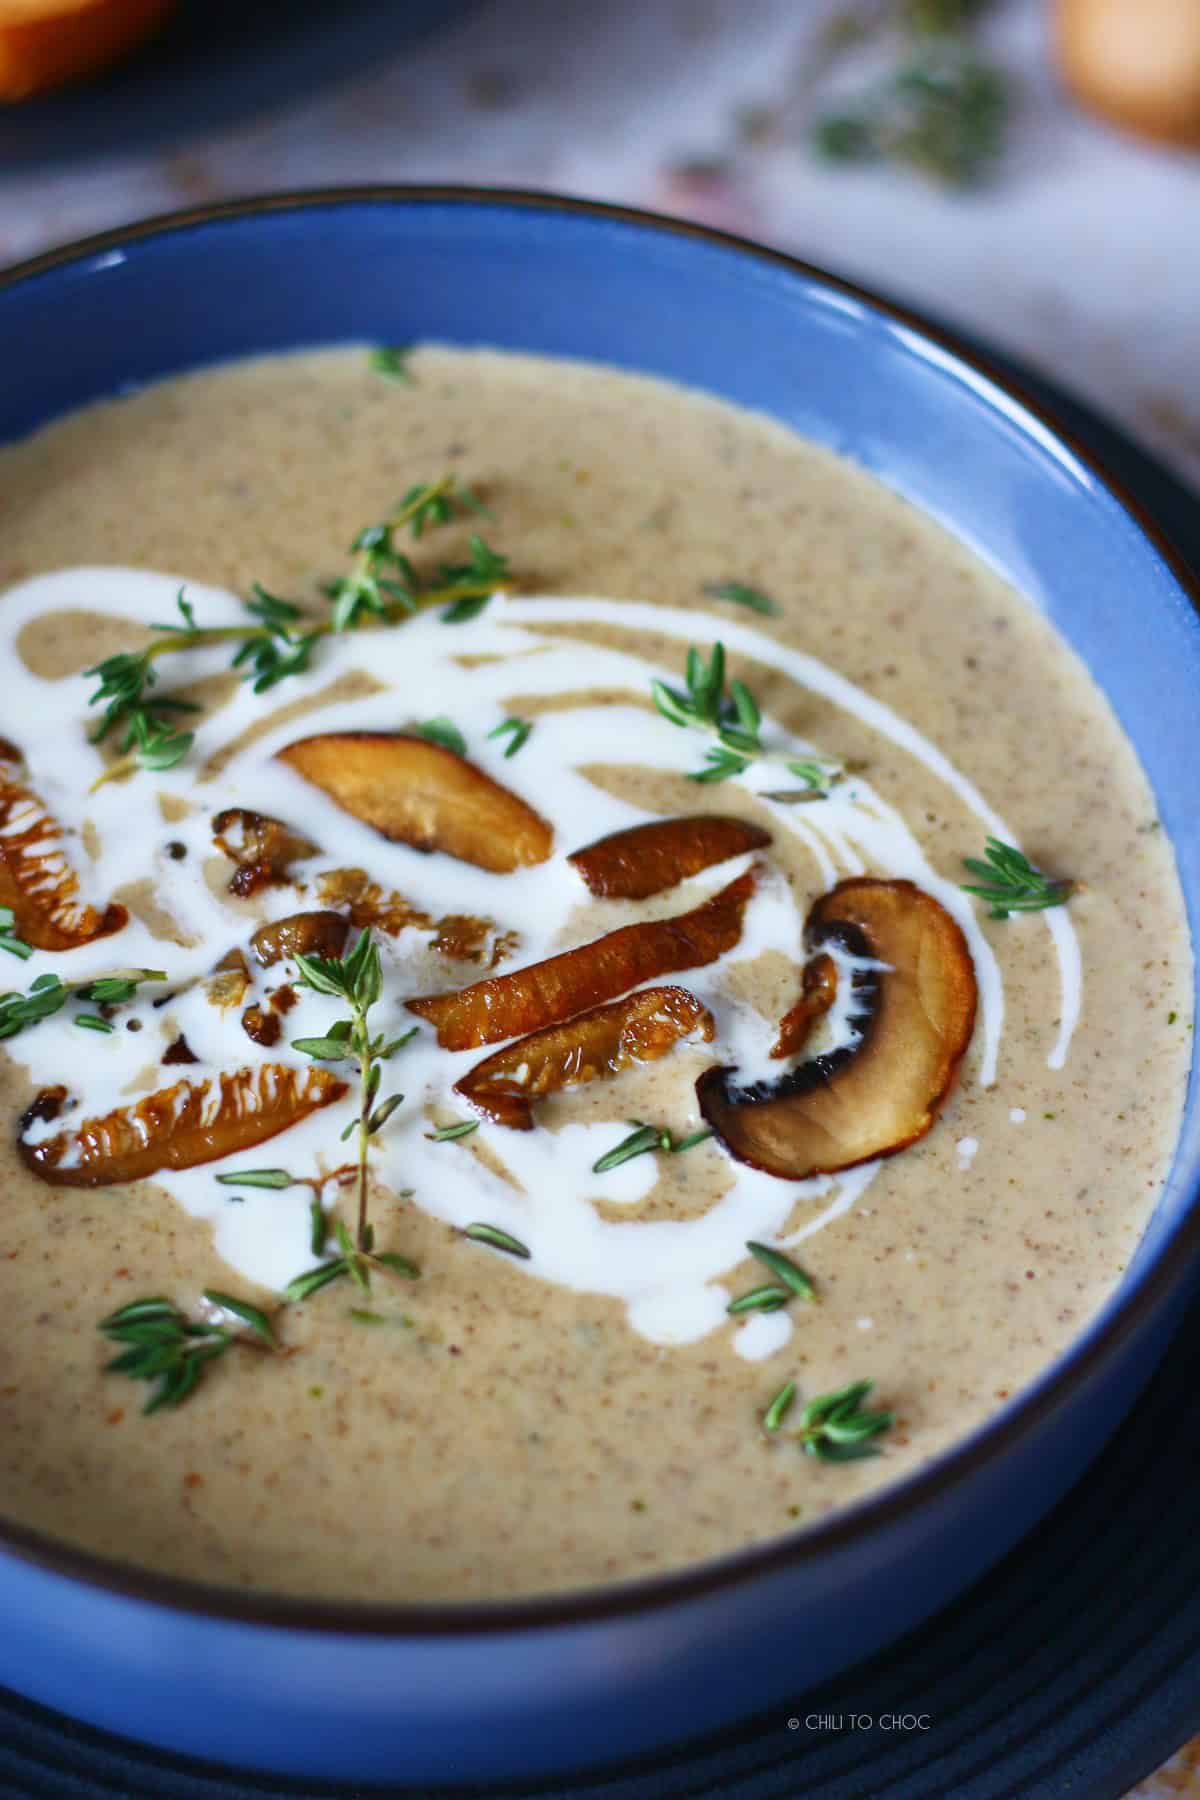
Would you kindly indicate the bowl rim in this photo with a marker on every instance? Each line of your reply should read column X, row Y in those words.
column 1098, row 1346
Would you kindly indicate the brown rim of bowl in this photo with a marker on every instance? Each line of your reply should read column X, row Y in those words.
column 893, row 1504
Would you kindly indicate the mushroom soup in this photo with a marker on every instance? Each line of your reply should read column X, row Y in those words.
column 587, row 984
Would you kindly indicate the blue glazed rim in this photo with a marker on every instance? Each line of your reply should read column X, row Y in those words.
column 1102, row 1342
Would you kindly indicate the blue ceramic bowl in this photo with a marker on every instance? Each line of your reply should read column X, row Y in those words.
column 455, row 1693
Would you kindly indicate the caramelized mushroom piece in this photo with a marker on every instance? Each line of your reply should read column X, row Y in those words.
column 647, row 859
column 604, row 1041
column 459, row 935
column 261, row 1026
column 818, row 993
column 263, row 848
column 300, row 934
column 175, row 1127
column 881, row 1093
column 36, row 880
column 416, row 792
column 548, row 992
column 227, row 984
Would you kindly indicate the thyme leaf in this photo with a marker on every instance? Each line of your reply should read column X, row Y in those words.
column 644, row 1139
column 498, row 1240
column 779, row 1407
column 516, row 730
column 448, row 1134
column 742, row 595
column 445, row 732
column 391, row 361
column 768, row 1298
column 784, row 1269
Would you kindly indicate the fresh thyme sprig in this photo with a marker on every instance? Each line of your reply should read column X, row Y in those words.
column 943, row 110
column 1009, row 883
column 382, row 587
column 382, row 584
column 358, row 1257
column 356, row 978
column 48, row 994
column 838, row 1428
column 732, row 714
column 642, row 1140
column 166, row 1347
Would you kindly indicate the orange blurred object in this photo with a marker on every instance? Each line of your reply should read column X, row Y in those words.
column 46, row 42
column 1135, row 62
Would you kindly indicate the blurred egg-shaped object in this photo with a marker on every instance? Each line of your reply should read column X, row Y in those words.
column 1135, row 62
column 44, row 43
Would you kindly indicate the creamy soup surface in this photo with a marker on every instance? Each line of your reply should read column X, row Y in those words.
column 512, row 1424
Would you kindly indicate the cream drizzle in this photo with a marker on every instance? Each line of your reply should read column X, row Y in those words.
column 673, row 1275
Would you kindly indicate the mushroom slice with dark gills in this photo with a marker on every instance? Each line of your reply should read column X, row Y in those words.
column 176, row 1127
column 37, row 882
column 882, row 1092
column 416, row 792
column 606, row 1040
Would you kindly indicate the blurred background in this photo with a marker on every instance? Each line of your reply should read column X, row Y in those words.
column 931, row 148
column 1028, row 170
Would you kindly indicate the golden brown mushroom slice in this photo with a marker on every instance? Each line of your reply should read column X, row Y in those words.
column 648, row 859
column 640, row 1028
column 37, row 881
column 881, row 1093
column 175, row 1127
column 416, row 792
column 263, row 848
column 548, row 992
column 300, row 934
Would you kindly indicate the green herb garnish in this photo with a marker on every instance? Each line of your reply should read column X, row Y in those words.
column 645, row 1138
column 838, row 1428
column 741, row 595
column 391, row 360
column 779, row 1407
column 259, row 1178
column 1009, row 883
column 768, row 1298
column 499, row 1240
column 517, row 730
column 8, row 939
column 93, row 1022
column 382, row 588
column 48, row 994
column 732, row 714
column 445, row 732
column 448, row 1134
column 784, row 1270
column 356, row 978
column 166, row 1347
column 944, row 112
